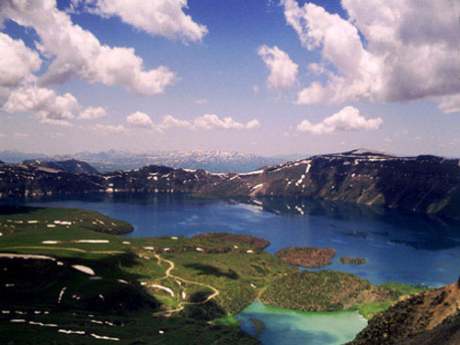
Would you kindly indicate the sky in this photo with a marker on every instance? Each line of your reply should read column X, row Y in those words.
column 256, row 76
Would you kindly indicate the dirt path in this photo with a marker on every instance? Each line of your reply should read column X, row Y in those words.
column 182, row 304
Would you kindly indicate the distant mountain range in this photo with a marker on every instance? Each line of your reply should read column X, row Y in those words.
column 213, row 161
column 423, row 184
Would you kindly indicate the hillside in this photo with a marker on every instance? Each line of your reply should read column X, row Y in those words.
column 424, row 184
column 429, row 318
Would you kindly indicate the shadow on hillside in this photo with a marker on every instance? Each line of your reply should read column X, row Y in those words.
column 214, row 271
column 16, row 209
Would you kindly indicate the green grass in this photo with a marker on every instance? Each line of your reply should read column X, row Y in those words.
column 369, row 310
column 126, row 269
column 14, row 219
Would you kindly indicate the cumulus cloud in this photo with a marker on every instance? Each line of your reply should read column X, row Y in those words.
column 139, row 119
column 92, row 113
column 17, row 62
column 48, row 106
column 77, row 52
column 205, row 122
column 347, row 119
column 282, row 70
column 450, row 104
column 213, row 121
column 169, row 121
column 160, row 17
column 410, row 51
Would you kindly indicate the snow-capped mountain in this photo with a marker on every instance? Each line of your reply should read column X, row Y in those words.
column 213, row 161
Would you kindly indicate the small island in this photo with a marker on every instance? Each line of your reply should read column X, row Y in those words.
column 307, row 256
column 349, row 260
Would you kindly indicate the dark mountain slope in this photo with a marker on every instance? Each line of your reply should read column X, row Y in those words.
column 425, row 184
column 430, row 318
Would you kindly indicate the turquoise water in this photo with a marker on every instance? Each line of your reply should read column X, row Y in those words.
column 287, row 327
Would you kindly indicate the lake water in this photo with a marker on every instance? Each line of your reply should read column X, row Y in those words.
column 398, row 247
column 404, row 248
column 282, row 326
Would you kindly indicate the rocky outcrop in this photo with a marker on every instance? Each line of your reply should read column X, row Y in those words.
column 424, row 184
column 429, row 318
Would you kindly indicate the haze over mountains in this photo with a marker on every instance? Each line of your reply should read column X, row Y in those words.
column 105, row 161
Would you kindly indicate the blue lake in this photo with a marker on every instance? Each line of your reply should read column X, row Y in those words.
column 404, row 248
column 399, row 247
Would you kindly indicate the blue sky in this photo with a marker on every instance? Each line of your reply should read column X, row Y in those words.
column 223, row 73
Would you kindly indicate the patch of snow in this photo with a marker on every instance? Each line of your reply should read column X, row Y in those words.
column 26, row 256
column 61, row 294
column 68, row 331
column 41, row 324
column 92, row 241
column 85, row 269
column 163, row 288
column 255, row 172
column 50, row 242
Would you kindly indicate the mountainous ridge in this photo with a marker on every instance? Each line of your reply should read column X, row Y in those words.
column 425, row 184
column 429, row 318
column 107, row 161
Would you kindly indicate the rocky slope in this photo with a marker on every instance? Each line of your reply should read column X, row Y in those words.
column 430, row 318
column 425, row 184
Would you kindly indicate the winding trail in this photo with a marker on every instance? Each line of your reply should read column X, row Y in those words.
column 182, row 304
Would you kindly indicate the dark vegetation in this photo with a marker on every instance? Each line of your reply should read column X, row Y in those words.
column 307, row 257
column 348, row 260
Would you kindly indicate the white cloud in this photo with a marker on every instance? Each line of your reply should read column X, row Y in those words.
column 45, row 103
column 206, row 122
column 283, row 71
column 169, row 121
column 411, row 49
column 91, row 113
column 450, row 104
column 17, row 62
column 253, row 124
column 110, row 129
column 347, row 119
column 48, row 106
column 75, row 51
column 160, row 17
column 139, row 119
column 213, row 121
